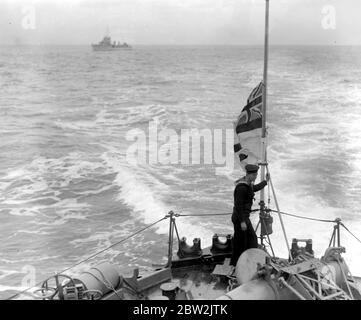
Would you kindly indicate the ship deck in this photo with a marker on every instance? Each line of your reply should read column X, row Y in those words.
column 188, row 279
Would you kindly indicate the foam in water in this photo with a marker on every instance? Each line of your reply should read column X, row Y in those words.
column 142, row 192
column 292, row 199
column 37, row 187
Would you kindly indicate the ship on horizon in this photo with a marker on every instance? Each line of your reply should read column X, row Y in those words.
column 107, row 45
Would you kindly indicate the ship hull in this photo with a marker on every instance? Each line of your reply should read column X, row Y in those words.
column 103, row 48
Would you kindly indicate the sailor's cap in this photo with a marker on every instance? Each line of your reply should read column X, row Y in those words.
column 251, row 168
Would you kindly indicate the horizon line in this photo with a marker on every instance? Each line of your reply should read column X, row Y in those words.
column 187, row 45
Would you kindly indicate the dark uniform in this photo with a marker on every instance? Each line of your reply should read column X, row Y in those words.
column 243, row 199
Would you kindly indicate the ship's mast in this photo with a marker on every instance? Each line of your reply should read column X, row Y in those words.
column 264, row 138
column 264, row 131
column 264, row 104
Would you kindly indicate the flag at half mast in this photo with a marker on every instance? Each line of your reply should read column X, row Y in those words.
column 248, row 129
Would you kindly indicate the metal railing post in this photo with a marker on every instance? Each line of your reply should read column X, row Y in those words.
column 170, row 241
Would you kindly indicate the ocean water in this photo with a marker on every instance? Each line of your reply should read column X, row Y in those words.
column 68, row 191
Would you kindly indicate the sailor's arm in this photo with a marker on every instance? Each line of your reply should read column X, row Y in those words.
column 259, row 186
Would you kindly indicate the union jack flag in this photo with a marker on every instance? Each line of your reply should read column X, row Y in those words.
column 248, row 128
column 251, row 115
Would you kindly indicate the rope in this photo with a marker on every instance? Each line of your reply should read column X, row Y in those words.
column 279, row 214
column 92, row 256
column 114, row 244
column 200, row 215
column 106, row 282
column 350, row 232
column 176, row 230
column 302, row 217
column 345, row 279
column 208, row 214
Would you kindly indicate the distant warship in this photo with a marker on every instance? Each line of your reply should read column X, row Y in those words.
column 107, row 45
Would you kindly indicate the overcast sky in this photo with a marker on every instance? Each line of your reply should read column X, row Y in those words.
column 180, row 22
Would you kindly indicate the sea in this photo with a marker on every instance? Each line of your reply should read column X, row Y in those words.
column 70, row 117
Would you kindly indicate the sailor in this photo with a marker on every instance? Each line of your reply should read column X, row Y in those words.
column 244, row 235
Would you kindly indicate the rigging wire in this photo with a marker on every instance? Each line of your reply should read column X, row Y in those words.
column 200, row 215
column 207, row 214
column 177, row 215
column 176, row 230
column 114, row 244
column 319, row 220
column 350, row 232
column 279, row 214
column 93, row 255
column 302, row 217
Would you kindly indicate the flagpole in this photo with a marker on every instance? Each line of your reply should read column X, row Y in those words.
column 264, row 109
column 264, row 135
column 264, row 98
column 265, row 71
